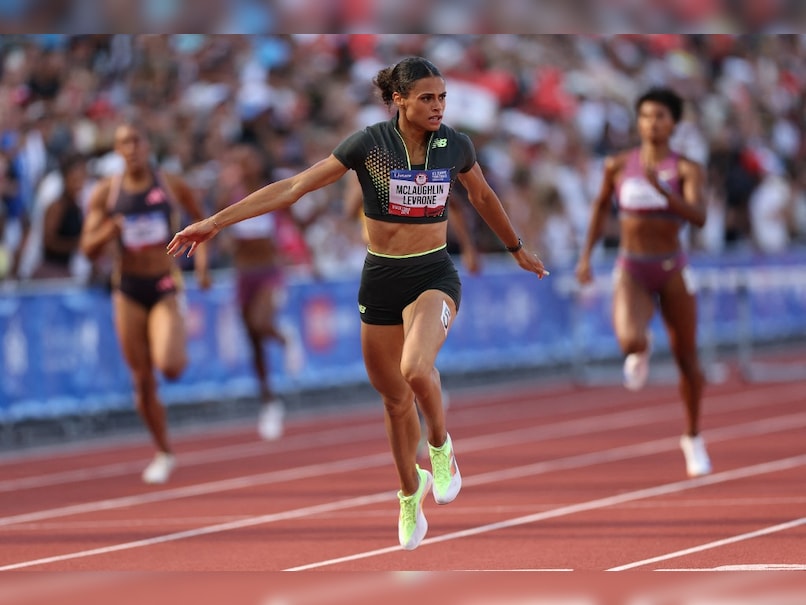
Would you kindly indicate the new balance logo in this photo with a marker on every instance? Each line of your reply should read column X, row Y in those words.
column 439, row 143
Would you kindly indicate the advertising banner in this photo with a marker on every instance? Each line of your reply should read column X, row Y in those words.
column 60, row 354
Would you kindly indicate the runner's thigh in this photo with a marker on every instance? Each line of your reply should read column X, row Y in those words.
column 166, row 327
column 426, row 323
column 382, row 347
column 679, row 310
column 131, row 326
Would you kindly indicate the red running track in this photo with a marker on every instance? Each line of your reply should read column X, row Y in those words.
column 557, row 479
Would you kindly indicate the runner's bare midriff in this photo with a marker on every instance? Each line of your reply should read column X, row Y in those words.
column 399, row 239
column 649, row 235
column 150, row 261
column 253, row 253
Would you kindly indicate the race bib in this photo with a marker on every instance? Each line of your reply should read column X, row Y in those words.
column 419, row 193
column 639, row 194
column 147, row 229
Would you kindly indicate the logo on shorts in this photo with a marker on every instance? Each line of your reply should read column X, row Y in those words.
column 165, row 283
column 362, row 309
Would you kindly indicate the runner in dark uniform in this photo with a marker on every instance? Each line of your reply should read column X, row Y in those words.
column 410, row 290
column 137, row 211
column 658, row 191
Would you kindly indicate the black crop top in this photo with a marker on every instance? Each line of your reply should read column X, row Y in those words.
column 394, row 189
column 149, row 216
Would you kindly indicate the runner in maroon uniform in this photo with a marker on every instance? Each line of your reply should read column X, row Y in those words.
column 260, row 278
column 658, row 191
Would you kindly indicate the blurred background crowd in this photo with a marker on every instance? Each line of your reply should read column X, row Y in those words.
column 392, row 16
column 543, row 111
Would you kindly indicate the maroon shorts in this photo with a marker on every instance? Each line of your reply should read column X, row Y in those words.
column 652, row 272
column 251, row 281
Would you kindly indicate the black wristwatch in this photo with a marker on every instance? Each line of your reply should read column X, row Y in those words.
column 514, row 249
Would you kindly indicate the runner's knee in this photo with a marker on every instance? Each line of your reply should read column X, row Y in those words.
column 173, row 370
column 417, row 374
column 633, row 342
column 144, row 385
column 690, row 368
column 398, row 406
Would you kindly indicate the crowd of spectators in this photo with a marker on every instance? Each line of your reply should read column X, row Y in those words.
column 543, row 110
column 391, row 16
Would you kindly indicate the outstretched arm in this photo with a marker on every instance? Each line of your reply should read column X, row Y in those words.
column 489, row 207
column 277, row 195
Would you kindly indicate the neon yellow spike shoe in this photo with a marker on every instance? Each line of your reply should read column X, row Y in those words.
column 447, row 480
column 412, row 525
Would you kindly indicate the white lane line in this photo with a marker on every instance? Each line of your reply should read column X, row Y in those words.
column 463, row 417
column 576, row 427
column 762, row 567
column 129, row 523
column 786, row 422
column 711, row 545
column 768, row 425
column 218, row 454
column 377, row 498
column 212, row 529
column 748, row 567
column 651, row 492
column 335, row 436
column 212, row 487
column 526, row 570
column 562, row 429
column 356, row 413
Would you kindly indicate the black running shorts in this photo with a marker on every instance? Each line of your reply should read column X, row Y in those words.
column 389, row 284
